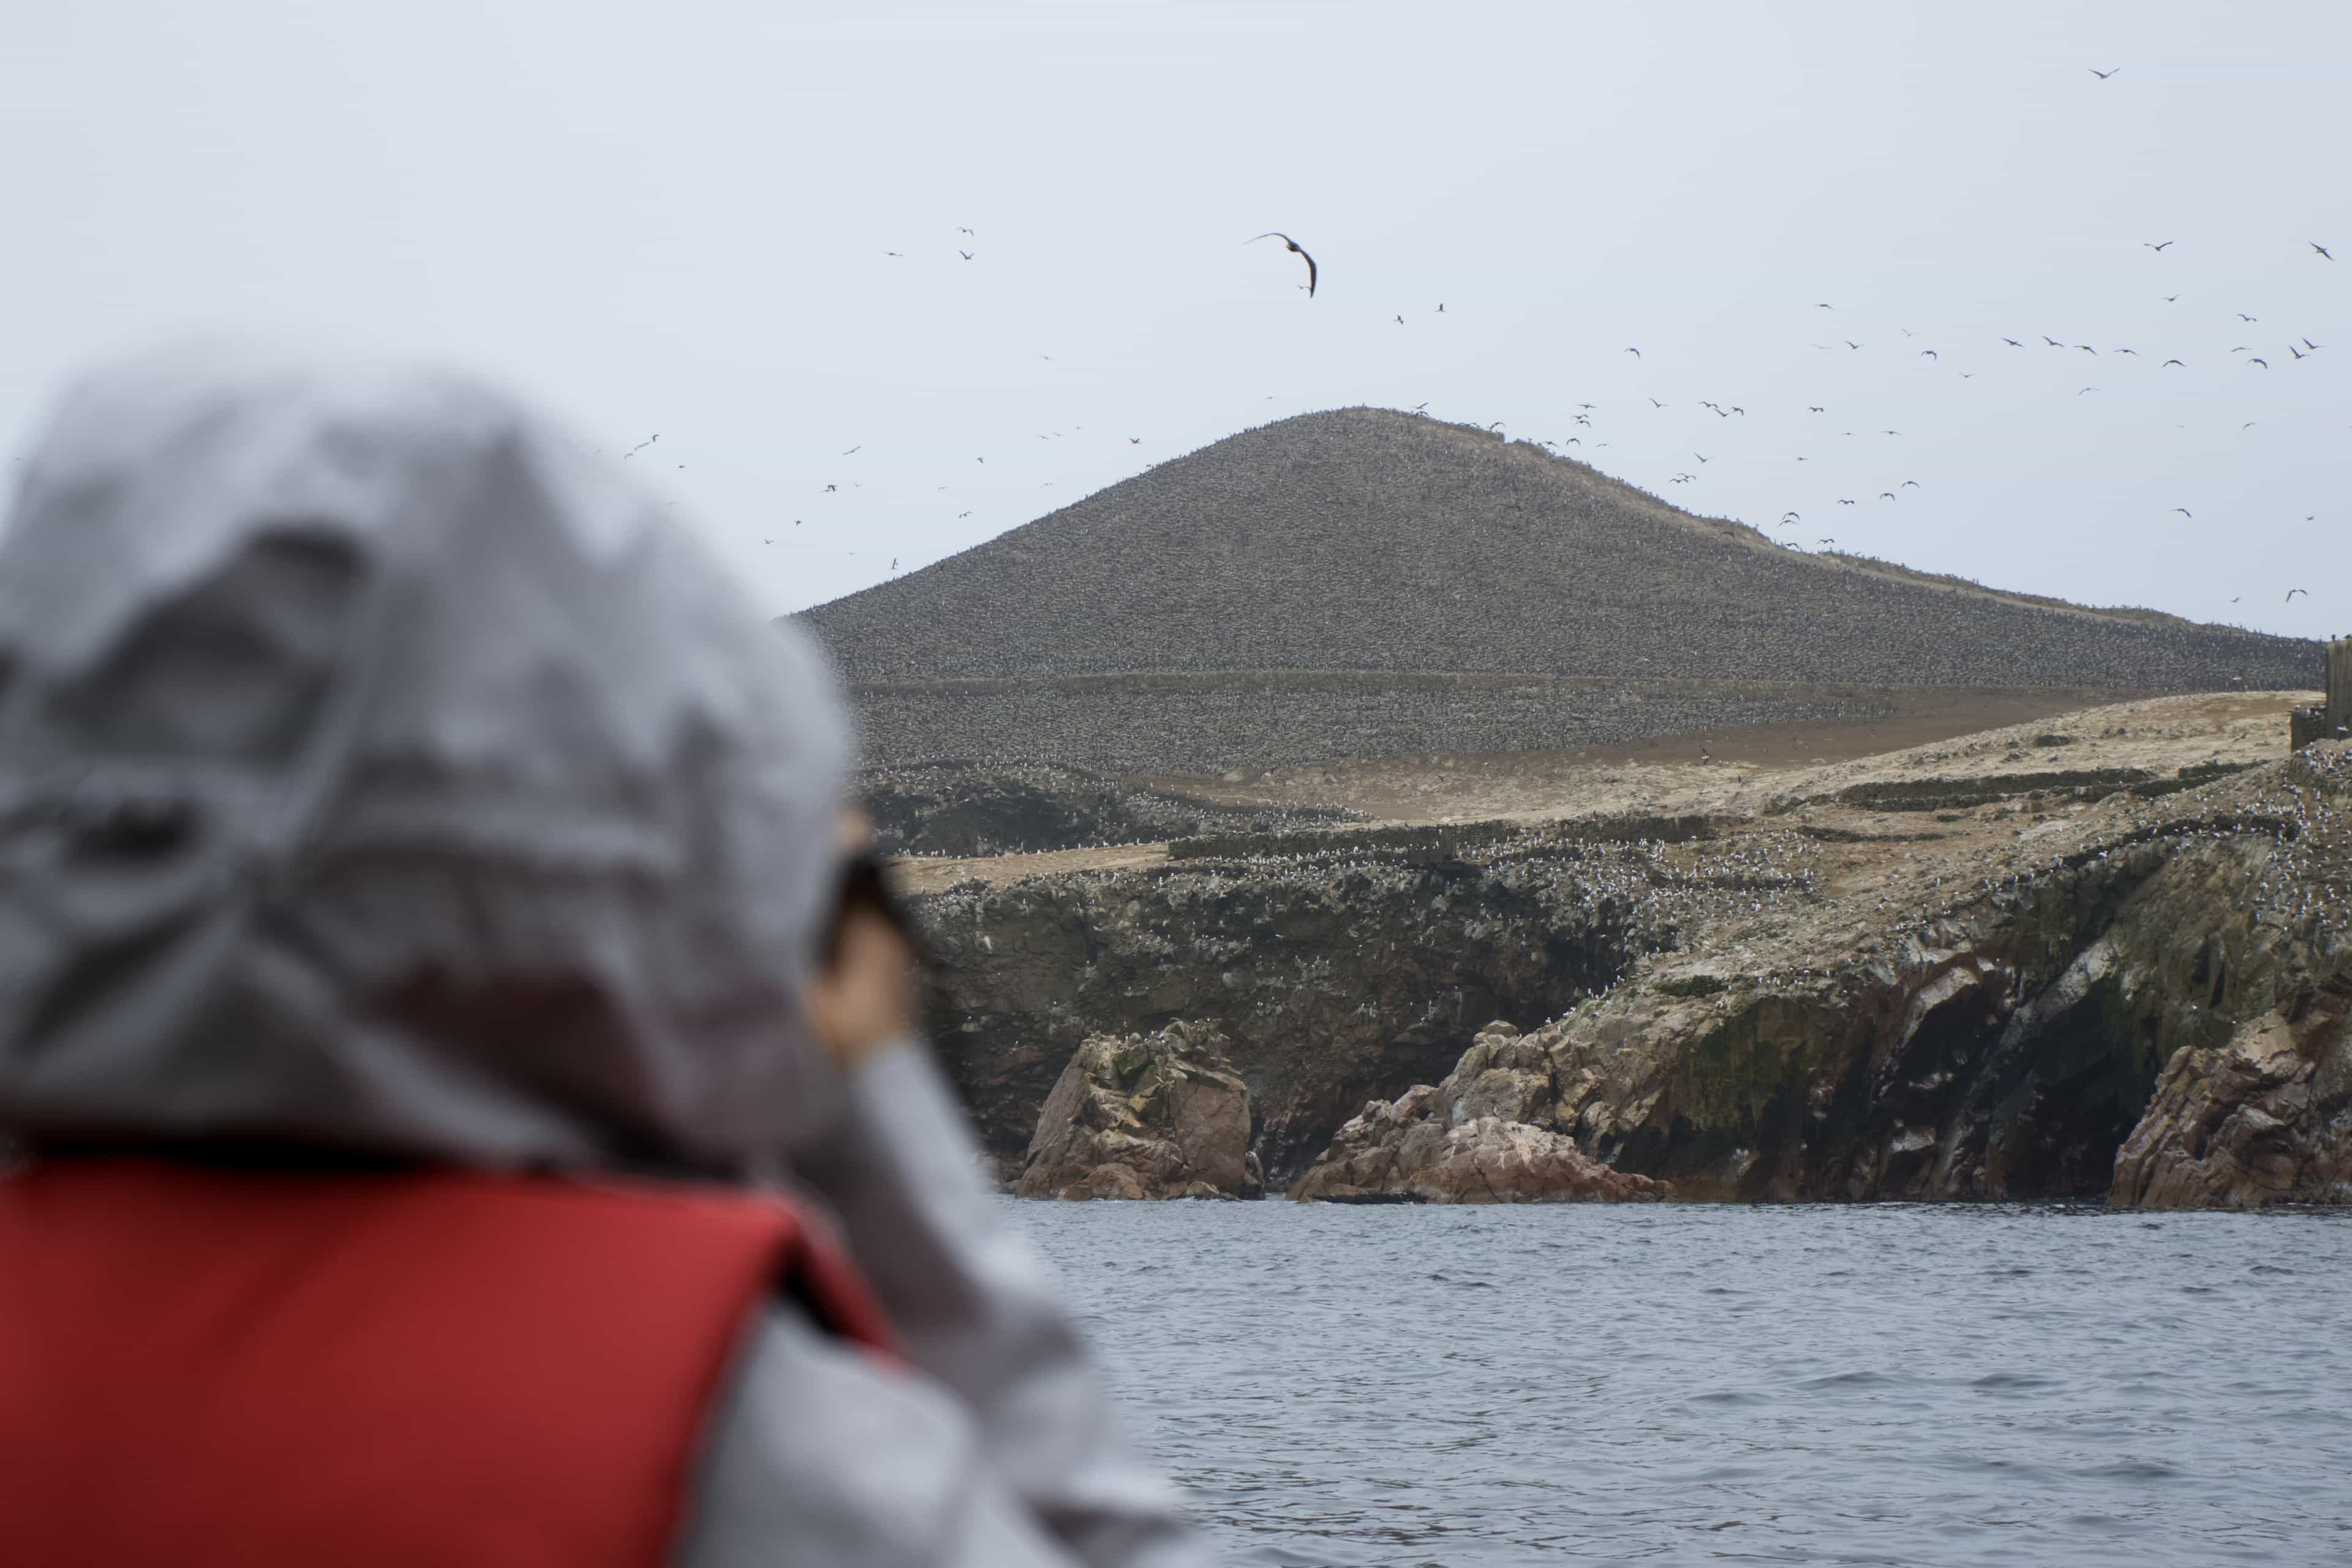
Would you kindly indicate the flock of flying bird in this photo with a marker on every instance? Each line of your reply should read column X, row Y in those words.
column 2298, row 348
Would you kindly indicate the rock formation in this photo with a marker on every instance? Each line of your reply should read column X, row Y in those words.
column 1337, row 977
column 2146, row 1000
column 1147, row 1116
column 1468, row 1140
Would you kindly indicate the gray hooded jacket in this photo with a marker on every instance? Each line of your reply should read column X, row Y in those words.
column 380, row 771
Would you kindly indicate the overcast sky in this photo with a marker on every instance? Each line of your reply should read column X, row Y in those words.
column 677, row 218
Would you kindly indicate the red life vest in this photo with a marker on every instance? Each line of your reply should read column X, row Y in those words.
column 439, row 1367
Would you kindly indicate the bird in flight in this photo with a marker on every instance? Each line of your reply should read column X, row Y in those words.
column 1852, row 345
column 1703, row 459
column 965, row 253
column 2168, row 298
column 2012, row 343
column 2053, row 342
column 1886, row 495
column 1636, row 352
column 963, row 230
column 831, row 488
column 2086, row 389
column 1290, row 244
column 642, row 445
column 2297, row 352
column 1890, row 432
column 2171, row 362
column 2243, row 317
column 2158, row 249
column 961, row 515
column 1910, row 484
column 2086, row 348
column 2264, row 363
column 1399, row 320
column 2185, row 511
column 2134, row 353
column 1135, row 440
column 1820, row 307
column 2322, row 249
column 2102, row 75
column 1655, row 404
column 859, row 447
column 1441, row 306
column 2291, row 593
column 1815, row 408
column 1930, row 353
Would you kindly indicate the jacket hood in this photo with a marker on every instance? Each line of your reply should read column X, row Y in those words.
column 380, row 770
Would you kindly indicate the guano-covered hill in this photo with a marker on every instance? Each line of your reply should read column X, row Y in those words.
column 1360, row 582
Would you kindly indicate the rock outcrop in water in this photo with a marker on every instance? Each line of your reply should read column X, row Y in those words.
column 1468, row 1140
column 2143, row 999
column 1149, row 1115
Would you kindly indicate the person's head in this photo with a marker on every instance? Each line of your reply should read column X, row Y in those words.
column 379, row 770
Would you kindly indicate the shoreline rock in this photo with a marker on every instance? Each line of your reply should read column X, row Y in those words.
column 1145, row 1116
column 1467, row 1141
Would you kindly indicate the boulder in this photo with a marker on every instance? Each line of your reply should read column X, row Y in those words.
column 2266, row 1118
column 1144, row 1116
column 1471, row 1139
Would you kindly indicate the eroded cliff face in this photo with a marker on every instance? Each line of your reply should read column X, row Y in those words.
column 1335, row 978
column 2141, row 998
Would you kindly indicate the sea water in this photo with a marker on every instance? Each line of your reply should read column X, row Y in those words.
column 1665, row 1385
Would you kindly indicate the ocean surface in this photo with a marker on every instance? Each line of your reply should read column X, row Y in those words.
column 1666, row 1385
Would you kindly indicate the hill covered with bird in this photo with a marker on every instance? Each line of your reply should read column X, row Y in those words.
column 1362, row 582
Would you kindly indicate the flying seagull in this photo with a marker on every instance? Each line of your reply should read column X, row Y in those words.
column 965, row 253
column 2322, row 249
column 2264, row 363
column 2102, row 75
column 1930, row 353
column 1655, row 404
column 1886, row 495
column 2291, row 593
column 1292, row 245
column 2185, row 512
column 2171, row 362
column 1135, row 440
column 2012, row 343
column 2053, row 342
column 1636, row 352
column 2159, row 248
column 1912, row 484
column 859, row 447
column 2243, row 317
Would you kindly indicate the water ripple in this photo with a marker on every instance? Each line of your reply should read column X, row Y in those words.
column 1392, row 1387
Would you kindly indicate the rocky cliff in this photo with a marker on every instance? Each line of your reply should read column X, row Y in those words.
column 1338, row 976
column 2146, row 999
